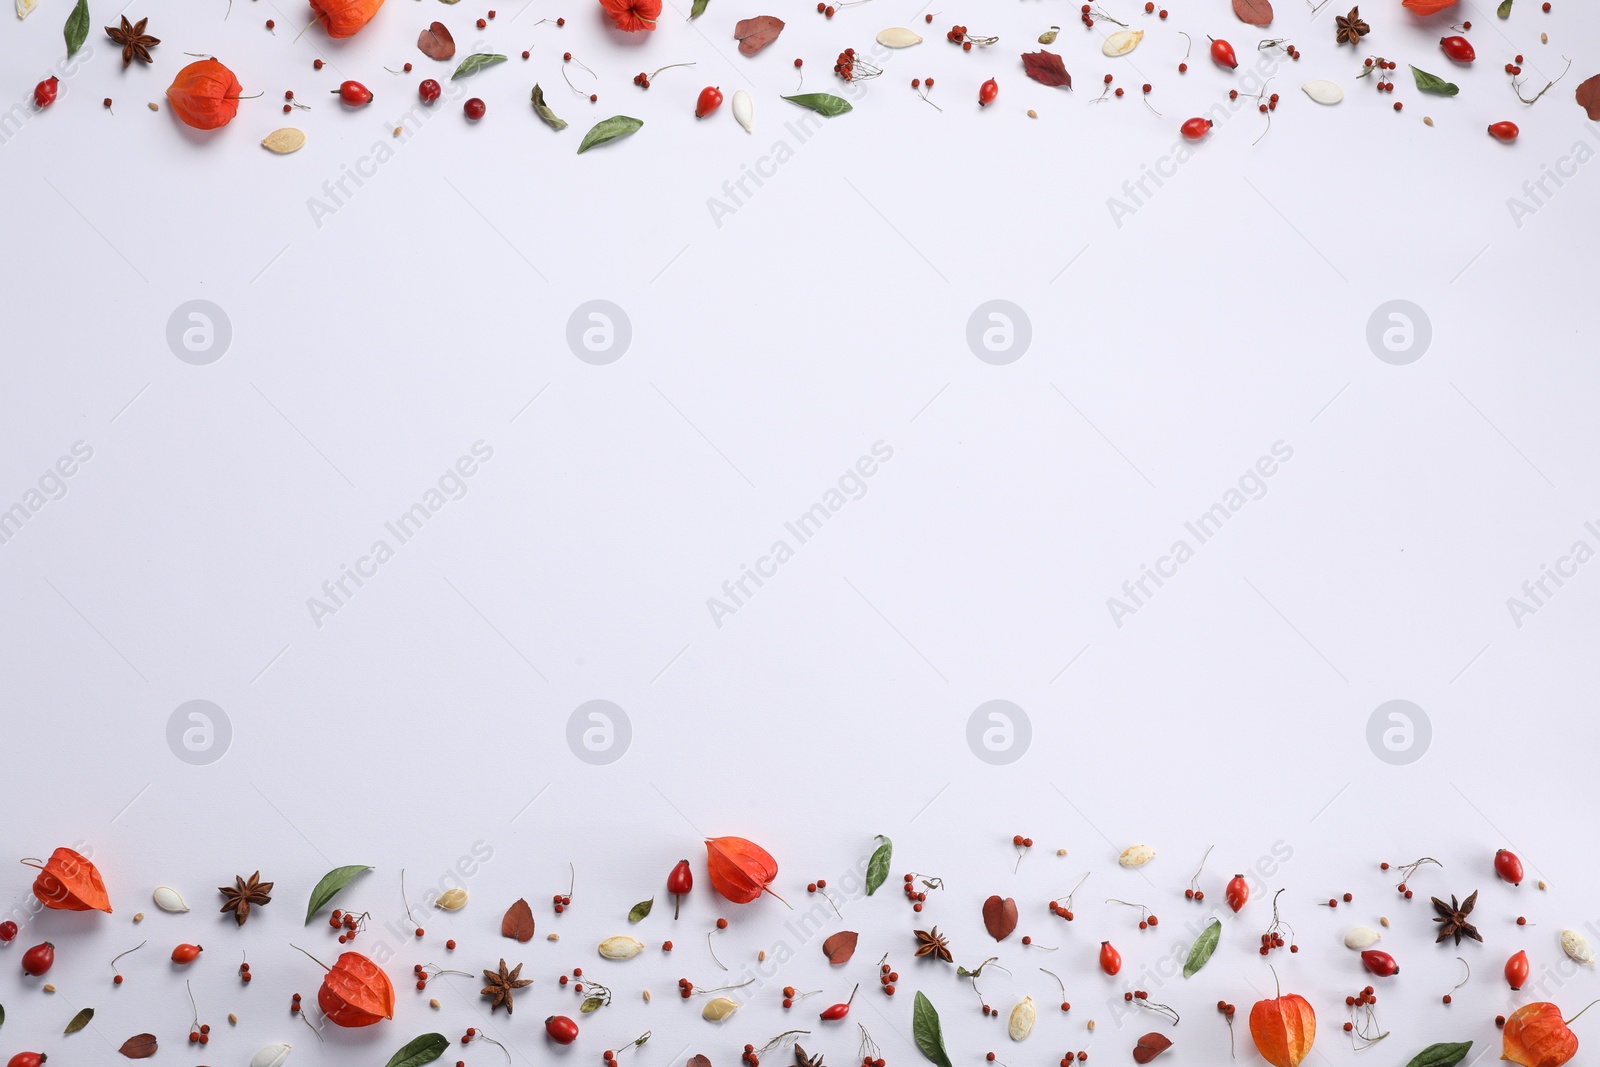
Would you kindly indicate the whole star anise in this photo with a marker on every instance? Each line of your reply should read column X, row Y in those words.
column 502, row 985
column 933, row 943
column 803, row 1059
column 1350, row 27
column 1453, row 919
column 238, row 897
column 136, row 44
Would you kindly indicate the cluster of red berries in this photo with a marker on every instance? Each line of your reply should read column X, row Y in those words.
column 790, row 995
column 1272, row 940
column 870, row 1061
column 750, row 1057
column 642, row 80
column 1137, row 994
column 1384, row 86
column 1080, row 1056
column 200, row 1036
column 847, row 67
column 913, row 894
column 1366, row 996
column 826, row 11
column 1270, row 104
column 472, row 1032
column 1150, row 8
column 686, row 990
column 1062, row 910
column 1224, row 1008
column 294, row 1005
column 820, row 883
column 577, row 986
column 1514, row 67
column 1086, row 16
column 958, row 35
column 1333, row 902
column 1188, row 894
column 244, row 973
column 887, row 977
column 349, row 924
column 561, row 901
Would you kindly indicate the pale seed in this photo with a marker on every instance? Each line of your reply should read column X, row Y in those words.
column 1032, row 114
column 761, row 956
column 1383, row 920
column 552, row 937
column 647, row 996
column 233, row 1020
column 898, row 37
column 138, row 917
column 153, row 106
column 718, row 1009
column 1542, row 886
column 451, row 899
column 1121, row 43
column 1091, row 1026
column 283, row 142
column 1544, row 38
column 397, row 130
column 1136, row 855
column 1020, row 1025
column 434, row 1003
column 621, row 947
column 49, row 989
column 168, row 898
column 1426, row 121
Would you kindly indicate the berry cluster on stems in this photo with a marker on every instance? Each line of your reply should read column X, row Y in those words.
column 790, row 995
column 871, row 1054
column 199, row 1033
column 1146, row 918
column 474, row 1034
column 1379, row 64
column 851, row 69
column 1079, row 1056
column 1022, row 845
column 609, row 1056
column 1066, row 1005
column 1194, row 892
column 643, row 80
column 916, row 896
column 562, row 901
column 1141, row 999
column 1065, row 909
column 1226, row 1011
column 349, row 924
column 1280, row 42
column 1407, row 871
column 922, row 86
column 958, row 35
column 1150, row 9
column 427, row 972
column 887, row 976
column 751, row 1056
column 1333, row 902
column 1515, row 70
column 1088, row 13
column 1362, row 1025
column 1274, row 938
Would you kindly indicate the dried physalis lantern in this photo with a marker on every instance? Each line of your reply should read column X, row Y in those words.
column 355, row 991
column 1283, row 1029
column 343, row 18
column 205, row 95
column 69, row 882
column 740, row 870
column 1536, row 1035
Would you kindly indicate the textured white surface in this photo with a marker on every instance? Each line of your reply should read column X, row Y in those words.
column 768, row 355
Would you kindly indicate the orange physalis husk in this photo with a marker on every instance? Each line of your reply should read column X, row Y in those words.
column 1537, row 1036
column 740, row 870
column 342, row 18
column 355, row 992
column 632, row 15
column 1426, row 7
column 205, row 95
column 69, row 882
column 1283, row 1029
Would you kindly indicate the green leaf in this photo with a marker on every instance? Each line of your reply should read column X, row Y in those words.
column 878, row 865
column 476, row 62
column 822, row 103
column 1443, row 1054
column 1432, row 83
column 1504, row 10
column 608, row 130
column 927, row 1032
column 542, row 109
column 641, row 909
column 2, row 1014
column 77, row 28
column 591, row 1004
column 79, row 1021
column 416, row 1052
column 698, row 8
column 331, row 883
column 1204, row 946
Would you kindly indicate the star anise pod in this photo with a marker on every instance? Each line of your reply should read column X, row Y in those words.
column 136, row 44
column 1453, row 919
column 1350, row 27
column 801, row 1059
column 933, row 943
column 502, row 985
column 238, row 897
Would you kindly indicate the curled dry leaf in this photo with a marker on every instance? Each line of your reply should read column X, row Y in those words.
column 840, row 947
column 756, row 33
column 282, row 142
column 1121, row 43
column 139, row 1047
column 453, row 899
column 518, row 923
column 435, row 42
column 166, row 897
column 1588, row 97
column 999, row 916
column 698, row 1060
column 898, row 37
column 1150, row 1046
column 1255, row 12
column 1046, row 68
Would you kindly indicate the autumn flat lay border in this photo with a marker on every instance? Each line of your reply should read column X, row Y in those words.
column 356, row 991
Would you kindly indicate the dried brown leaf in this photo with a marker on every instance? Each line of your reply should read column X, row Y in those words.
column 698, row 1060
column 840, row 947
column 518, row 923
column 1255, row 12
column 1152, row 1044
column 999, row 917
column 436, row 42
column 1588, row 97
column 1046, row 68
column 139, row 1046
column 755, row 34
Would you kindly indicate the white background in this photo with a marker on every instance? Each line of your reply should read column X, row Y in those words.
column 827, row 313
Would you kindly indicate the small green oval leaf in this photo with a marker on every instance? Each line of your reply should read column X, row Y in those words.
column 641, row 909
column 79, row 1021
column 476, row 62
column 822, row 103
column 416, row 1052
column 1443, row 1054
column 1504, row 10
column 591, row 1004
column 1432, row 83
column 331, row 883
column 698, row 8
column 76, row 30
column 608, row 130
column 878, row 865
column 1204, row 946
column 926, row 1030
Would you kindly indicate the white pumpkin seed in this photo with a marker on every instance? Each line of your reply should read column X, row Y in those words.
column 25, row 8
column 1022, row 1018
column 898, row 37
column 744, row 110
column 1323, row 91
column 169, row 899
column 1361, row 937
column 283, row 142
column 1136, row 855
column 1575, row 946
column 718, row 1009
column 271, row 1055
column 1121, row 43
column 452, row 899
column 621, row 947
